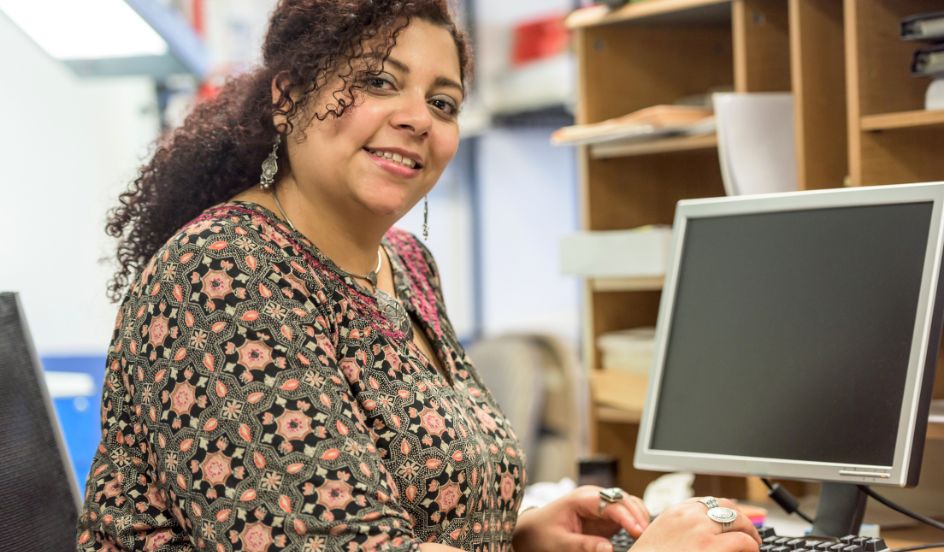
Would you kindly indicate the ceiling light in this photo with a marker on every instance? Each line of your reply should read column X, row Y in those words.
column 86, row 29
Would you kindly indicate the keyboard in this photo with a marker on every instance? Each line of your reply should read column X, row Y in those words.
column 772, row 542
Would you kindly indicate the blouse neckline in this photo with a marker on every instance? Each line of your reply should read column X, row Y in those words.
column 402, row 284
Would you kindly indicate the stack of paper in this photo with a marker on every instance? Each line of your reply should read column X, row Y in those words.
column 928, row 61
column 637, row 253
column 652, row 122
column 923, row 26
column 627, row 350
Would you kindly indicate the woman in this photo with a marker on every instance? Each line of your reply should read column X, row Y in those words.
column 283, row 374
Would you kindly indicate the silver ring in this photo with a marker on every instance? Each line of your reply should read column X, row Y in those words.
column 609, row 496
column 719, row 514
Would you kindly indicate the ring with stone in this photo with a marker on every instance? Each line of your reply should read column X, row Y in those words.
column 609, row 496
column 719, row 514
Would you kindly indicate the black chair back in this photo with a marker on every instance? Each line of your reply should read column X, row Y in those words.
column 38, row 493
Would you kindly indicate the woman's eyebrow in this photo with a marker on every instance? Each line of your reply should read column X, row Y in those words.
column 439, row 82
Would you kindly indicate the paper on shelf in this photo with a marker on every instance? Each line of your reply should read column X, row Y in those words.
column 755, row 142
column 636, row 253
column 936, row 415
column 645, row 124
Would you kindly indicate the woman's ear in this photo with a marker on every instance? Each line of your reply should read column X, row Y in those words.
column 281, row 100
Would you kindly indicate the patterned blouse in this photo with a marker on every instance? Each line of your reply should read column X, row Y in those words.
column 256, row 399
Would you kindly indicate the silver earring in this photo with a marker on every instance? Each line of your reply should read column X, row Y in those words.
column 425, row 218
column 271, row 165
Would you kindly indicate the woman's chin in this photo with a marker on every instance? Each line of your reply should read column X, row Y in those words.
column 388, row 209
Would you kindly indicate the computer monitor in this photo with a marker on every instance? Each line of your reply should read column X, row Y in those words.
column 797, row 338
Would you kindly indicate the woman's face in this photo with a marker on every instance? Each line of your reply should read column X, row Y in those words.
column 387, row 150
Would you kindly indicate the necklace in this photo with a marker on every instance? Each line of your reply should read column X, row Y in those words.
column 391, row 307
column 370, row 276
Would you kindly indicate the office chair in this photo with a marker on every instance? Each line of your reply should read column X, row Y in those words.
column 38, row 493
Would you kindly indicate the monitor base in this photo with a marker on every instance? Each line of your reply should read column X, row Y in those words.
column 840, row 511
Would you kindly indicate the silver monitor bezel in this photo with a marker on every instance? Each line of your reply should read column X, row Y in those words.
column 895, row 474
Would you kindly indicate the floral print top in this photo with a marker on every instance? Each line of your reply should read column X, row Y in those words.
column 256, row 399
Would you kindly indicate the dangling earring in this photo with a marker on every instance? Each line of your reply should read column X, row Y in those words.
column 425, row 218
column 270, row 166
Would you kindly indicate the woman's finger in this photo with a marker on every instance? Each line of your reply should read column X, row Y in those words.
column 742, row 523
column 737, row 541
column 585, row 543
column 620, row 514
column 637, row 509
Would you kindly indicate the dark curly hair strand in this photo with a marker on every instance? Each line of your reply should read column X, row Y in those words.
column 218, row 150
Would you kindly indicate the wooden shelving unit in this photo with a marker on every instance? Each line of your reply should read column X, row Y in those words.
column 609, row 150
column 653, row 283
column 858, row 121
column 903, row 119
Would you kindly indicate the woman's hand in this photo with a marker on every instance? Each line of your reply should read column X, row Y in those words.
column 576, row 522
column 686, row 527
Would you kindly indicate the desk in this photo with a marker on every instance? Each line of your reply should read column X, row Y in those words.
column 910, row 536
column 895, row 538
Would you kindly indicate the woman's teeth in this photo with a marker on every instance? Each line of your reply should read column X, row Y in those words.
column 395, row 157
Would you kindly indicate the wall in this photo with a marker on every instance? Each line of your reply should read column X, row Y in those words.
column 67, row 148
column 528, row 196
column 527, row 188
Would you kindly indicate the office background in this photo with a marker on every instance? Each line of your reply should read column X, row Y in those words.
column 70, row 145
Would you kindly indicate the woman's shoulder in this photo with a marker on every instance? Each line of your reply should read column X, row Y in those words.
column 229, row 241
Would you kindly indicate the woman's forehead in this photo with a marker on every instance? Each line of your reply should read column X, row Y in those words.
column 419, row 45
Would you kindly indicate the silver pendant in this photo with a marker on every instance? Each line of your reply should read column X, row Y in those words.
column 394, row 311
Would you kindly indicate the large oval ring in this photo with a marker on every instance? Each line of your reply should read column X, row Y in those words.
column 609, row 496
column 719, row 514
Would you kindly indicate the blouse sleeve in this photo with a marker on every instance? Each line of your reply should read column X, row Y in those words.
column 255, row 436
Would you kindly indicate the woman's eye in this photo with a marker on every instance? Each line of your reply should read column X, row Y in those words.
column 379, row 82
column 447, row 107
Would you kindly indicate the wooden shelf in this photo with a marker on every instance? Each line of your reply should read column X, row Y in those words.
column 936, row 431
column 617, row 415
column 676, row 11
column 664, row 145
column 650, row 283
column 903, row 119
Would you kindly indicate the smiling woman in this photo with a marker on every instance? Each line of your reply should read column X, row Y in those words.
column 282, row 373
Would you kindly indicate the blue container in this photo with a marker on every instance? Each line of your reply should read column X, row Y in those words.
column 79, row 413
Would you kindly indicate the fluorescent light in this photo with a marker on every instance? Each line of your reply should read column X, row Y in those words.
column 85, row 29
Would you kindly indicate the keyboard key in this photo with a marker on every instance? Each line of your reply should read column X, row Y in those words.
column 874, row 545
column 765, row 532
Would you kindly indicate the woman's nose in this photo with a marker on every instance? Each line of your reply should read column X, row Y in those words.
column 412, row 114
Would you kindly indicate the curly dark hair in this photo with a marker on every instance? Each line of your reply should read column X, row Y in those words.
column 218, row 150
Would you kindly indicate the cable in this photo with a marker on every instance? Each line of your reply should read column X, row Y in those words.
column 920, row 547
column 901, row 509
column 784, row 499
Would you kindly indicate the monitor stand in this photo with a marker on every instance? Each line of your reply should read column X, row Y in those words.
column 840, row 510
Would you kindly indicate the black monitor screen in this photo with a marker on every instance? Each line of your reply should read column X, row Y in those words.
column 791, row 333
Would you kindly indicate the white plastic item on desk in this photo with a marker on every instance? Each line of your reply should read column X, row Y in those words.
column 668, row 490
column 640, row 252
column 934, row 97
